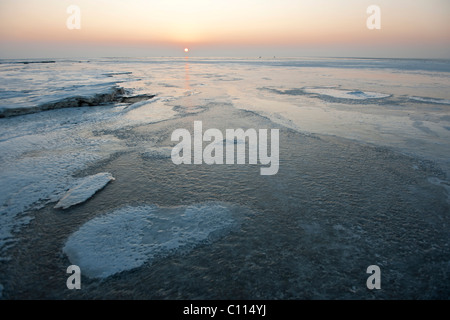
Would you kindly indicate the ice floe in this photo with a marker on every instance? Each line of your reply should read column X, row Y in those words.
column 84, row 189
column 131, row 236
column 346, row 94
column 431, row 100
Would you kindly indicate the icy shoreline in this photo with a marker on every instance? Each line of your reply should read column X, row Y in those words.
column 111, row 95
column 39, row 160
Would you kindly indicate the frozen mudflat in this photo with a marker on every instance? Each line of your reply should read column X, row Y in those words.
column 84, row 189
column 363, row 179
column 131, row 236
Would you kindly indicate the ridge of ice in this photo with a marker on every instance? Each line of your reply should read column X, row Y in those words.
column 84, row 189
column 128, row 237
column 94, row 95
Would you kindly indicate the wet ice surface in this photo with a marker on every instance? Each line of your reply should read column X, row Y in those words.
column 375, row 193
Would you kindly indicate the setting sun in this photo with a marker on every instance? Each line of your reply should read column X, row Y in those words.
column 186, row 49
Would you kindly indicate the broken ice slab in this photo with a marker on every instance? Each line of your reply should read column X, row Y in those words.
column 84, row 189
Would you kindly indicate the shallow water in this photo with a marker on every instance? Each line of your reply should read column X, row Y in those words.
column 353, row 188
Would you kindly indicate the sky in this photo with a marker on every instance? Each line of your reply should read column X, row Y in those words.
column 331, row 28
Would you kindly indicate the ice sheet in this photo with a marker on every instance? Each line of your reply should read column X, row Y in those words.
column 42, row 151
column 131, row 236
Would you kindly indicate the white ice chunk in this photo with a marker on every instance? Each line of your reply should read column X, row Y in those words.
column 130, row 236
column 85, row 188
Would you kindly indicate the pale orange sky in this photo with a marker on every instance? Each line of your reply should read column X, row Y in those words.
column 225, row 27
